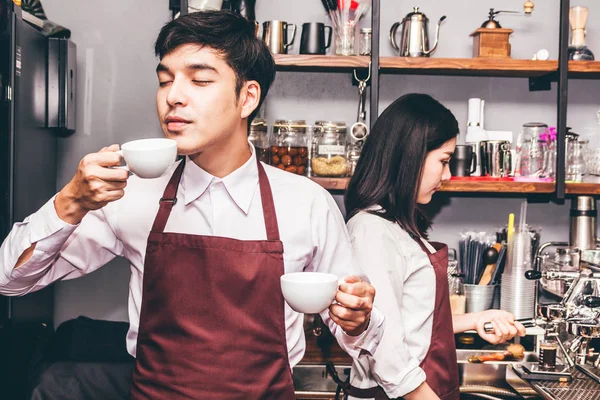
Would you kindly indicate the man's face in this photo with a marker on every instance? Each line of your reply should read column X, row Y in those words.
column 196, row 100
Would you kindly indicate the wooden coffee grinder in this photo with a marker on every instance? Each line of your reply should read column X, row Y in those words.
column 491, row 40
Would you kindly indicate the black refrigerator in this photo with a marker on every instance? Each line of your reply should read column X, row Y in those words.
column 37, row 94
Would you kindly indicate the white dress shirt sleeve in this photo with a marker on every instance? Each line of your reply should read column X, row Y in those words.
column 62, row 251
column 392, row 366
column 333, row 254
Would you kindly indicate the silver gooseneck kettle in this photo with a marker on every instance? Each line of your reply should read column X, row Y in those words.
column 415, row 35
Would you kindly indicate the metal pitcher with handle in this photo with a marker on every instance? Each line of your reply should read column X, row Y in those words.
column 275, row 35
column 415, row 35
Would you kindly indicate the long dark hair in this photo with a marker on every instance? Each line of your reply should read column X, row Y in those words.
column 388, row 173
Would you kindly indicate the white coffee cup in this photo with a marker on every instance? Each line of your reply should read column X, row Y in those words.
column 149, row 158
column 309, row 292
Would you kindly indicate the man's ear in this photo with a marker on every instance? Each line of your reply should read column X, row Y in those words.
column 250, row 98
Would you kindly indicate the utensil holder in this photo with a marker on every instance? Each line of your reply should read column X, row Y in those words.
column 479, row 297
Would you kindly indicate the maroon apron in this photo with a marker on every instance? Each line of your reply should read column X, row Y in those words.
column 440, row 363
column 212, row 323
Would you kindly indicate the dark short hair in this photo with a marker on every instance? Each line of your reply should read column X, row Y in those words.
column 232, row 36
column 388, row 173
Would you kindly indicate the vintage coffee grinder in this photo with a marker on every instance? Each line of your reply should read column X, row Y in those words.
column 491, row 39
column 577, row 49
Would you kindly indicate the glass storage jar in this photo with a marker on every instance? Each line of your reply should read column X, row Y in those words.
column 289, row 146
column 353, row 154
column 528, row 136
column 259, row 137
column 329, row 157
column 365, row 41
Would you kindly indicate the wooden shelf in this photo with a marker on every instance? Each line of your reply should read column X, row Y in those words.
column 582, row 188
column 584, row 69
column 475, row 186
column 304, row 62
column 332, row 183
column 500, row 67
column 467, row 186
column 492, row 67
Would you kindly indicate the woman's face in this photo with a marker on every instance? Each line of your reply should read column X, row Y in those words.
column 435, row 171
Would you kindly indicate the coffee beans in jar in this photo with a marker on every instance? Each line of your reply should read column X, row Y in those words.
column 259, row 137
column 289, row 148
column 329, row 155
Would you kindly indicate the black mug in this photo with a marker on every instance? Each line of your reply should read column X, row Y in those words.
column 313, row 38
column 464, row 161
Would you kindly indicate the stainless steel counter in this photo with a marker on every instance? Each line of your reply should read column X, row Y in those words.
column 492, row 380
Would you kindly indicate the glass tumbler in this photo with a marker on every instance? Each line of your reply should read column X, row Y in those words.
column 344, row 40
column 575, row 168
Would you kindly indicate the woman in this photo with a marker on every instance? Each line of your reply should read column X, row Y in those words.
column 403, row 162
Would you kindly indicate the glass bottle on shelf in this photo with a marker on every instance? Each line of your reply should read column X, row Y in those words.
column 329, row 157
column 575, row 168
column 289, row 146
column 549, row 163
column 259, row 137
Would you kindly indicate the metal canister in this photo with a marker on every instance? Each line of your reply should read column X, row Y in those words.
column 495, row 158
column 582, row 232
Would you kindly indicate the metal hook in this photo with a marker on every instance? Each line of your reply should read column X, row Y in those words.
column 368, row 76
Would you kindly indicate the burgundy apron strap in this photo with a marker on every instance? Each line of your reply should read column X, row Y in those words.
column 268, row 205
column 168, row 199
column 421, row 244
column 375, row 392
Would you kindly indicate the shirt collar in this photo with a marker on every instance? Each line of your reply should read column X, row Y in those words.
column 240, row 184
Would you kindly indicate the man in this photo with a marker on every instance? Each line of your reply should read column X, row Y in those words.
column 207, row 242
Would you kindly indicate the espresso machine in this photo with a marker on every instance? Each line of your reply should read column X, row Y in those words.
column 566, row 258
column 572, row 273
column 577, row 315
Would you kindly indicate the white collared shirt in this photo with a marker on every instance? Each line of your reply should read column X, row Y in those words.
column 310, row 224
column 404, row 279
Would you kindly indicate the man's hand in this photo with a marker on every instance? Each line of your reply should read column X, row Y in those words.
column 504, row 323
column 93, row 186
column 354, row 304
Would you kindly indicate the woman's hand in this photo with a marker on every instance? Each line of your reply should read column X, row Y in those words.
column 504, row 323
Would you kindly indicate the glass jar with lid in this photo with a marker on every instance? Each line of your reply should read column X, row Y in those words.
column 365, row 41
column 329, row 157
column 259, row 137
column 289, row 146
column 527, row 138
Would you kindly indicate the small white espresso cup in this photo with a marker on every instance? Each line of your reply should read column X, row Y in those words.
column 149, row 158
column 309, row 292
